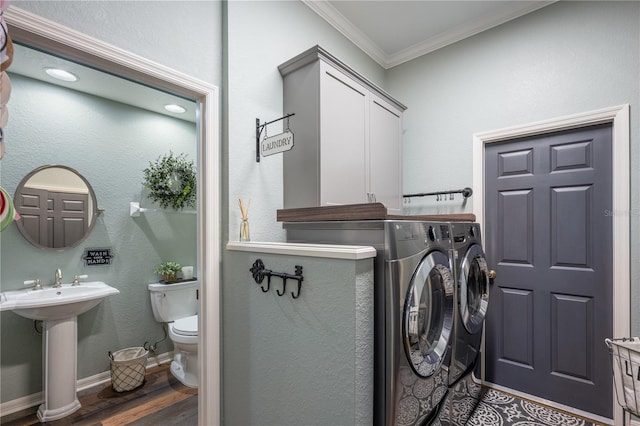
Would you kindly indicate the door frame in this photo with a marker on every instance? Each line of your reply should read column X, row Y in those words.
column 618, row 116
column 57, row 39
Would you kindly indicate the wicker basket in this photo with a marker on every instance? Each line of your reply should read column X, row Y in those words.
column 625, row 359
column 128, row 367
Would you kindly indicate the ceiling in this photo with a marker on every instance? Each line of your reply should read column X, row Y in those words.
column 396, row 31
column 390, row 31
column 31, row 63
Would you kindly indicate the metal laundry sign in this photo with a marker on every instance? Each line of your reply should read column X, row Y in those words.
column 276, row 144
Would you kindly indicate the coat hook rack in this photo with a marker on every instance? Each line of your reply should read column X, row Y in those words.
column 259, row 272
column 442, row 195
column 260, row 127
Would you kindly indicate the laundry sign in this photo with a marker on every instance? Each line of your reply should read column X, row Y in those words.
column 276, row 144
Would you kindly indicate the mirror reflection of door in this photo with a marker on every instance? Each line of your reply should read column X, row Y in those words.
column 53, row 219
column 56, row 207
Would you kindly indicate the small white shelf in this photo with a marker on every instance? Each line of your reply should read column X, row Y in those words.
column 310, row 250
column 135, row 210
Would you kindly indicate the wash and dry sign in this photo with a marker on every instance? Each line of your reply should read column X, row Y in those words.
column 98, row 257
column 278, row 143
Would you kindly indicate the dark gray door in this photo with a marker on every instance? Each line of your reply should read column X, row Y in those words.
column 549, row 238
column 70, row 218
column 53, row 219
column 32, row 207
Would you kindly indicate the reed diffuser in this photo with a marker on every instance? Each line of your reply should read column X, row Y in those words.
column 244, row 225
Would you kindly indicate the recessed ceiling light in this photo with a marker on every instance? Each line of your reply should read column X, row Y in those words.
column 61, row 74
column 178, row 109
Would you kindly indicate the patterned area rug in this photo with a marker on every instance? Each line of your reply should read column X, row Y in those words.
column 500, row 409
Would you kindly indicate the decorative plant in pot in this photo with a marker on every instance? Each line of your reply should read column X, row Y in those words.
column 171, row 181
column 169, row 271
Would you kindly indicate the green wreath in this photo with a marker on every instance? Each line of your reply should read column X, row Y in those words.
column 172, row 181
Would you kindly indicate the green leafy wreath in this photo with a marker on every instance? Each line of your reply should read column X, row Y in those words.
column 172, row 181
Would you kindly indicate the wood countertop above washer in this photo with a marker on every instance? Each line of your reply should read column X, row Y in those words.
column 367, row 211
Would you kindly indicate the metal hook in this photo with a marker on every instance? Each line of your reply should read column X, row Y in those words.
column 298, row 274
column 268, row 284
column 296, row 295
column 284, row 286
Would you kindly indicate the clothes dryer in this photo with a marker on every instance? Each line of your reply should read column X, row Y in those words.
column 420, row 320
column 471, row 300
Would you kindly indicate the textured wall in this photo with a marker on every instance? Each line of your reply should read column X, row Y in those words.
column 262, row 35
column 298, row 361
column 110, row 144
column 566, row 58
column 285, row 362
column 181, row 34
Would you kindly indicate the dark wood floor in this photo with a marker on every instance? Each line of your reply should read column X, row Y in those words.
column 161, row 400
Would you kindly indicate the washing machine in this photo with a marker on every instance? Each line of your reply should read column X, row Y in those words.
column 471, row 299
column 413, row 310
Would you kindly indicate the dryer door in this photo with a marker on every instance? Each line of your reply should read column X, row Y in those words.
column 428, row 314
column 474, row 288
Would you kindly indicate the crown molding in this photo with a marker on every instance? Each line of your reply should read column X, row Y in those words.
column 337, row 20
column 460, row 33
column 330, row 14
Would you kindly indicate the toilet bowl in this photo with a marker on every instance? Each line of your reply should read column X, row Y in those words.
column 184, row 335
column 177, row 305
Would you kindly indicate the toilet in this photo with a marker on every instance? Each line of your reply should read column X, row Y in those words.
column 177, row 305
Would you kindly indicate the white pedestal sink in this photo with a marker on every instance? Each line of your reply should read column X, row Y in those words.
column 59, row 309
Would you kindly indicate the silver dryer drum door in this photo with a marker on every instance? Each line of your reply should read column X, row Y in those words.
column 427, row 314
column 474, row 289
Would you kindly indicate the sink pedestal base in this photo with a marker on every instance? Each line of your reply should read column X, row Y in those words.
column 60, row 342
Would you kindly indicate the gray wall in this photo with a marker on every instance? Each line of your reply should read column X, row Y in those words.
column 109, row 144
column 290, row 361
column 567, row 58
column 181, row 34
column 260, row 36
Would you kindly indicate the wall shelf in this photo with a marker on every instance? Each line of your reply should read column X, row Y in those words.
column 135, row 210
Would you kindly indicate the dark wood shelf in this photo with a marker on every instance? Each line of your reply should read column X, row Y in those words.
column 367, row 211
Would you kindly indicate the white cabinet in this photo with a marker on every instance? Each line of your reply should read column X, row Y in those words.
column 347, row 136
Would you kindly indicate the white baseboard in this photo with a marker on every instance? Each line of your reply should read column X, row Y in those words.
column 36, row 399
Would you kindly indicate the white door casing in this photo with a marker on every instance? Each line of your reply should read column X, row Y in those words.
column 619, row 117
column 49, row 36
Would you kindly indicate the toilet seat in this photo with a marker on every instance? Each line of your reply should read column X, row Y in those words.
column 184, row 330
column 186, row 326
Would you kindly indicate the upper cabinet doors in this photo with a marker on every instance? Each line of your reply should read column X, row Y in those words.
column 348, row 136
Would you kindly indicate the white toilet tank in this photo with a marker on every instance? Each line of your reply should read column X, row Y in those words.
column 173, row 301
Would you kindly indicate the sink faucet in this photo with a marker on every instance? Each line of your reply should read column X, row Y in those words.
column 58, row 277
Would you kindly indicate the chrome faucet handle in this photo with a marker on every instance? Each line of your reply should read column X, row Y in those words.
column 58, row 278
column 36, row 282
column 77, row 278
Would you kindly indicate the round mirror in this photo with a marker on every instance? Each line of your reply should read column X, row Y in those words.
column 57, row 207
